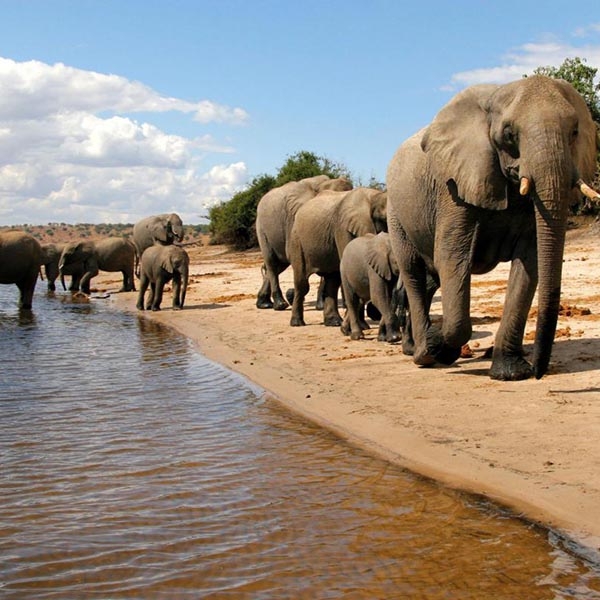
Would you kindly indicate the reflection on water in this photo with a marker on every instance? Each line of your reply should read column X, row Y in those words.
column 134, row 468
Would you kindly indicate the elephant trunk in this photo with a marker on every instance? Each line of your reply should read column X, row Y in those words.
column 551, row 193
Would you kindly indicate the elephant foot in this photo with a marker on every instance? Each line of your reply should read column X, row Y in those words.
column 510, row 368
column 289, row 295
column 345, row 328
column 333, row 321
column 357, row 335
column 264, row 303
column 282, row 305
column 297, row 322
column 139, row 306
column 392, row 338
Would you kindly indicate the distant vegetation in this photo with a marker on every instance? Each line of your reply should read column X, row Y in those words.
column 64, row 232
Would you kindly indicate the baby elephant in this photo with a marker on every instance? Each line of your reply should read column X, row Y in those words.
column 159, row 265
column 369, row 271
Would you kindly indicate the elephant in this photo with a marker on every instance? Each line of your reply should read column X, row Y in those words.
column 159, row 265
column 165, row 229
column 109, row 254
column 369, row 272
column 51, row 257
column 20, row 261
column 323, row 227
column 275, row 215
column 490, row 180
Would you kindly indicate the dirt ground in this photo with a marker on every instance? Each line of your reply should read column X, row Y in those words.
column 531, row 445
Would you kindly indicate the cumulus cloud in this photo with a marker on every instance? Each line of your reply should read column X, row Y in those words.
column 526, row 58
column 70, row 149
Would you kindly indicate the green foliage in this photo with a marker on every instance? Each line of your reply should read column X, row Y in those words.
column 305, row 164
column 233, row 222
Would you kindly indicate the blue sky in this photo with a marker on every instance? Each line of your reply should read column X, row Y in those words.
column 113, row 110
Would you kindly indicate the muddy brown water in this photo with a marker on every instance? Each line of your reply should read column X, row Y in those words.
column 132, row 467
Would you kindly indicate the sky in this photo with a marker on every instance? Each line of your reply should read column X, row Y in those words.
column 114, row 110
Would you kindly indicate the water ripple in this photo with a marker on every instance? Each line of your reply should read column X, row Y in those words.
column 135, row 468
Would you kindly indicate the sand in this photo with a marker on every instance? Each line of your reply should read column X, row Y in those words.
column 533, row 446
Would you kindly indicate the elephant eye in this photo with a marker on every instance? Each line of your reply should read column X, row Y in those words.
column 508, row 136
column 574, row 134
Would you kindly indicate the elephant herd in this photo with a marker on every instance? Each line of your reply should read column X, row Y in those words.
column 490, row 180
column 153, row 254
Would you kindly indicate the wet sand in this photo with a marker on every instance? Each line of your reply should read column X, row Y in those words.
column 533, row 446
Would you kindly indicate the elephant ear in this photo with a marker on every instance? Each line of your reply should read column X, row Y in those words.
column 379, row 256
column 167, row 262
column 158, row 231
column 460, row 152
column 587, row 143
column 355, row 211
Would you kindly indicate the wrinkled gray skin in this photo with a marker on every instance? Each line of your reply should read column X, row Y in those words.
column 457, row 208
column 51, row 257
column 159, row 265
column 322, row 228
column 20, row 261
column 369, row 272
column 110, row 254
column 165, row 229
column 275, row 215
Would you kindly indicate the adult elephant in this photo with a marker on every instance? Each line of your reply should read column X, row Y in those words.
column 164, row 229
column 110, row 254
column 159, row 265
column 490, row 180
column 275, row 214
column 322, row 228
column 20, row 261
column 50, row 259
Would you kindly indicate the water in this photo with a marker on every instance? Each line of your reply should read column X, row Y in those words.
column 134, row 468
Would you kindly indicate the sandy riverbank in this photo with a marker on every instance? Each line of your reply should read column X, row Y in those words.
column 532, row 445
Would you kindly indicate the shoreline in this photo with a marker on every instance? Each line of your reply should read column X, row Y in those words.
column 531, row 446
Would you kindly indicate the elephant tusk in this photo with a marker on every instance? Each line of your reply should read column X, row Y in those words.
column 587, row 191
column 524, row 188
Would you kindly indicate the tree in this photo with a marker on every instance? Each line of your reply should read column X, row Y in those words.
column 581, row 77
column 233, row 222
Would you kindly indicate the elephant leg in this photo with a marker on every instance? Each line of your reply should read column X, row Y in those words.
column 85, row 280
column 301, row 287
column 320, row 295
column 331, row 314
column 389, row 329
column 263, row 298
column 128, row 281
column 508, row 362
column 350, row 325
column 361, row 316
column 26, row 289
column 151, row 294
column 142, row 291
column 159, row 287
column 176, row 291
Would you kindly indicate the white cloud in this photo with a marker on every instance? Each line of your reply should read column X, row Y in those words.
column 525, row 59
column 70, row 150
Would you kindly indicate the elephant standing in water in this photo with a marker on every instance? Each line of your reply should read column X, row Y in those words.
column 275, row 215
column 110, row 254
column 369, row 272
column 158, row 266
column 490, row 180
column 20, row 260
column 164, row 229
column 322, row 228
column 51, row 257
